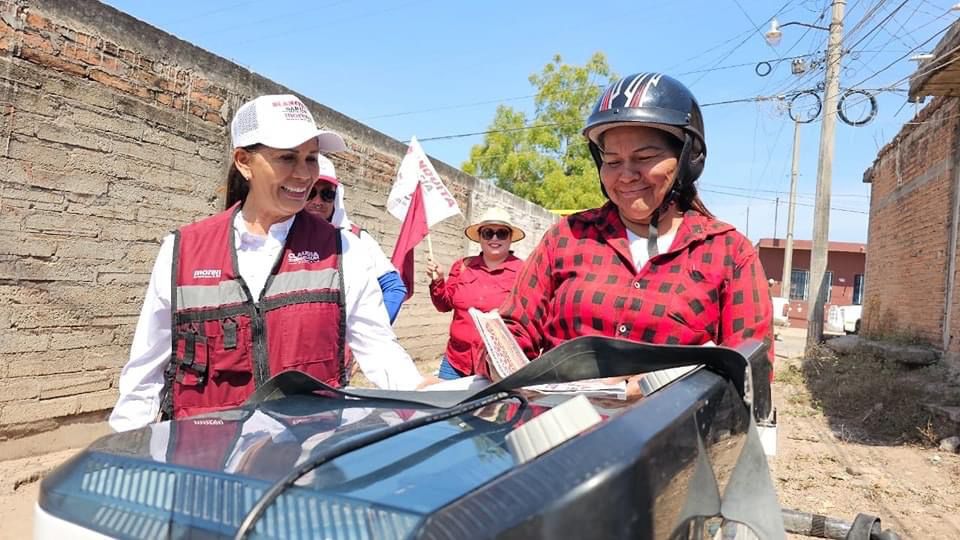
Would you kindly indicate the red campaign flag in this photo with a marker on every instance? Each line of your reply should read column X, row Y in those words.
column 413, row 230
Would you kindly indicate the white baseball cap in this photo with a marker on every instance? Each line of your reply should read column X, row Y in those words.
column 328, row 173
column 279, row 121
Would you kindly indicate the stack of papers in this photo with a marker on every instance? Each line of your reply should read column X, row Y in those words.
column 505, row 353
column 593, row 388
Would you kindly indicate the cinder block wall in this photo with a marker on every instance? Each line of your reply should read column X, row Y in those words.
column 912, row 192
column 113, row 133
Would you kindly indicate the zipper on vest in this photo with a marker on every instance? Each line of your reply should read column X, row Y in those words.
column 261, row 371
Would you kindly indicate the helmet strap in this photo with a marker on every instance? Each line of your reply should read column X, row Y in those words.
column 683, row 173
column 652, row 235
column 598, row 160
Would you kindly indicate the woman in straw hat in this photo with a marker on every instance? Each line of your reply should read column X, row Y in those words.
column 480, row 281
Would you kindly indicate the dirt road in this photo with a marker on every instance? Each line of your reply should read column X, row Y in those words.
column 852, row 440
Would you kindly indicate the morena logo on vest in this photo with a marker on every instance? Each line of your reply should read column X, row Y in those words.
column 303, row 257
column 209, row 273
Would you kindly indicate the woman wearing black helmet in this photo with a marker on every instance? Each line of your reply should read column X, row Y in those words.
column 652, row 264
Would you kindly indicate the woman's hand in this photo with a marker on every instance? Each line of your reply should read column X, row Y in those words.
column 434, row 273
column 428, row 381
column 633, row 385
column 490, row 371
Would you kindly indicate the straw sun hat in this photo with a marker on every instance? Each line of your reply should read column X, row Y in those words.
column 494, row 216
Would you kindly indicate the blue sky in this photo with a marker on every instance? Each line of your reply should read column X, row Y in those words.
column 435, row 68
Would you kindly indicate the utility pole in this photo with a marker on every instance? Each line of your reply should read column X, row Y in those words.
column 791, row 213
column 776, row 215
column 821, row 213
column 748, row 222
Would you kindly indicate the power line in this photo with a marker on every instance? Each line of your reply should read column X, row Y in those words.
column 503, row 130
column 806, row 205
column 755, row 99
column 604, row 85
column 869, row 15
column 896, row 35
column 872, row 33
column 911, row 51
column 757, row 28
column 779, row 192
column 932, row 65
column 880, row 24
column 451, row 107
column 793, row 82
column 313, row 24
column 285, row 16
column 770, row 148
column 567, row 124
column 745, row 40
column 221, row 9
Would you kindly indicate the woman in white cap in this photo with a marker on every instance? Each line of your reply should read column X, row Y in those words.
column 259, row 288
column 482, row 282
column 326, row 200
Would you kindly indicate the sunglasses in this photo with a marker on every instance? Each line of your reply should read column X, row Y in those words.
column 500, row 234
column 328, row 194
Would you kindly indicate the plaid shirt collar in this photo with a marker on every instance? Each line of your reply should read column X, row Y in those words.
column 694, row 228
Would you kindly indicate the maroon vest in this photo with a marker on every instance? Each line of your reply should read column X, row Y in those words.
column 225, row 343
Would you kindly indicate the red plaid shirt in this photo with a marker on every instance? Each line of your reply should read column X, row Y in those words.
column 581, row 280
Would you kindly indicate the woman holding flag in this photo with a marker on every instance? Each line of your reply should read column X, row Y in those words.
column 260, row 288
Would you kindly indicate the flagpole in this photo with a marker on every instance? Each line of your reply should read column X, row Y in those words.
column 430, row 246
column 417, row 208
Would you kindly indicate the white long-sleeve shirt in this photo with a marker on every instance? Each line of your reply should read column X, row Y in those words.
column 368, row 331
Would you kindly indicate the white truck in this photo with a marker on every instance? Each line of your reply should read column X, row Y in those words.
column 844, row 319
column 781, row 311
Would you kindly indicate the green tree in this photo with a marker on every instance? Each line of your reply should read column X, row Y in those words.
column 549, row 164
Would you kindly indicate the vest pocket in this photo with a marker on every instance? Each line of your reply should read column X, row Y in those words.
column 214, row 367
column 229, row 348
column 191, row 358
column 309, row 339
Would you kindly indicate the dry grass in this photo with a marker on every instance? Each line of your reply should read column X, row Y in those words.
column 870, row 400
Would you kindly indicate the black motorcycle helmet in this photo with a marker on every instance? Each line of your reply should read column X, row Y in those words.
column 661, row 102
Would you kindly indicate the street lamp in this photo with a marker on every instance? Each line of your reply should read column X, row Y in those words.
column 821, row 213
column 773, row 35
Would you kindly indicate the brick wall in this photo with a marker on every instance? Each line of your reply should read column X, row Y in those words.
column 112, row 133
column 911, row 202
